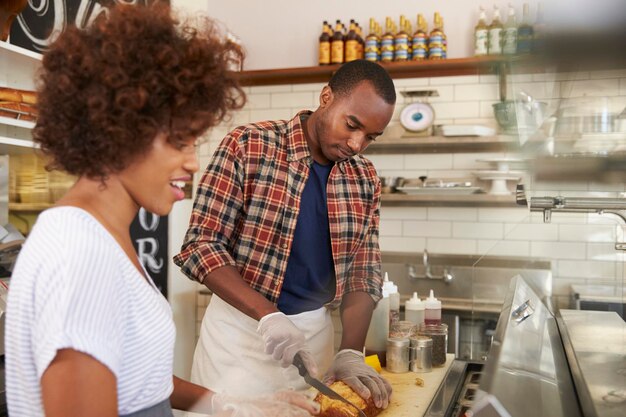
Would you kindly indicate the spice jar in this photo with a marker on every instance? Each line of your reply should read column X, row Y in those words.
column 403, row 329
column 421, row 354
column 398, row 354
column 439, row 334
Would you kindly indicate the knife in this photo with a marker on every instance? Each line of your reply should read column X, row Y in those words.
column 319, row 385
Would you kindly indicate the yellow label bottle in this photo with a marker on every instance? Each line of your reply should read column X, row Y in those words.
column 324, row 46
column 336, row 45
column 351, row 44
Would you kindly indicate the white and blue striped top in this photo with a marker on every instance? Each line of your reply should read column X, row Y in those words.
column 74, row 287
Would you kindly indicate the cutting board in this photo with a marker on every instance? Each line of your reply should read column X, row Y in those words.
column 409, row 399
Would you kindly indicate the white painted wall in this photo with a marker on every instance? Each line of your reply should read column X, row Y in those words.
column 283, row 33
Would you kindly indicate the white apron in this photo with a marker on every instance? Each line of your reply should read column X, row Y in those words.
column 230, row 356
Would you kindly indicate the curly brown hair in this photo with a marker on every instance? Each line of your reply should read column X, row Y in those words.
column 106, row 92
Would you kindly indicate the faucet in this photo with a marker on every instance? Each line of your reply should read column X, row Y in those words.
column 446, row 276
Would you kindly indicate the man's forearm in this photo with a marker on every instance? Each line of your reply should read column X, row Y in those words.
column 356, row 313
column 228, row 284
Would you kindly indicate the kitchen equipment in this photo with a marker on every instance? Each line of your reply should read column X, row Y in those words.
column 498, row 180
column 439, row 334
column 580, row 115
column 421, row 355
column 438, row 186
column 390, row 184
column 542, row 364
column 599, row 298
column 398, row 354
column 417, row 117
column 319, row 385
column 515, row 117
column 467, row 130
column 503, row 164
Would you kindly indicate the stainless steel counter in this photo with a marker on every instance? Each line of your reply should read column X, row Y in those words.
column 595, row 344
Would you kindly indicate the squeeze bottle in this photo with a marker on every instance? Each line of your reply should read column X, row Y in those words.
column 414, row 310
column 394, row 299
column 432, row 311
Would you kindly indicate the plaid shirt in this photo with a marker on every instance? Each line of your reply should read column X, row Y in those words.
column 247, row 206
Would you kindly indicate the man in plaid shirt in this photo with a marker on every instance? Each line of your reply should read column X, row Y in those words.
column 285, row 227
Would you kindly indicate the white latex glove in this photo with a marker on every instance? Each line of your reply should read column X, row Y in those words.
column 279, row 404
column 283, row 340
column 349, row 366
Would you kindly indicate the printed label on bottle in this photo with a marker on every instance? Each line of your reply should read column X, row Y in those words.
column 386, row 56
column 387, row 44
column 352, row 50
column 435, row 52
column 371, row 56
column 524, row 40
column 480, row 42
column 420, row 53
column 336, row 52
column 401, row 55
column 371, row 45
column 324, row 53
column 510, row 41
column 495, row 41
column 419, row 41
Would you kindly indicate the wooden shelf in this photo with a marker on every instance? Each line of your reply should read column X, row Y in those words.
column 408, row 69
column 29, row 207
column 442, row 144
column 470, row 200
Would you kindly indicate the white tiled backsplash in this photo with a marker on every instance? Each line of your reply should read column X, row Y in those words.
column 580, row 245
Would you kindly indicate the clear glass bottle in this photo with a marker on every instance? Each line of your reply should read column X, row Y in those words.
column 525, row 32
column 372, row 43
column 481, row 35
column 509, row 44
column 495, row 33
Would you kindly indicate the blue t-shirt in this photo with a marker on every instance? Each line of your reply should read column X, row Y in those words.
column 310, row 276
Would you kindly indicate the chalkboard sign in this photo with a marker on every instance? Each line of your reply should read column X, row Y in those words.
column 149, row 234
column 41, row 21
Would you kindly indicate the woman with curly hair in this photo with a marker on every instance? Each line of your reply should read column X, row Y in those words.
column 121, row 106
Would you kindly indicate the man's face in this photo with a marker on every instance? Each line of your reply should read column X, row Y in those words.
column 350, row 123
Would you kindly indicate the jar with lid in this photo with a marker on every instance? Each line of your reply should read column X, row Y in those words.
column 439, row 334
column 398, row 354
column 421, row 354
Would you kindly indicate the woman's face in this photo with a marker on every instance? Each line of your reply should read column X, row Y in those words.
column 156, row 179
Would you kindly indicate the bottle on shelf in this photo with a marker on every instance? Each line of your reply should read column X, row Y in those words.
column 414, row 310
column 394, row 299
column 419, row 44
column 495, row 33
column 336, row 44
column 436, row 39
column 525, row 32
column 444, row 40
column 324, row 46
column 481, row 34
column 386, row 42
column 432, row 310
column 372, row 43
column 351, row 44
column 401, row 42
column 509, row 44
column 359, row 38
column 539, row 30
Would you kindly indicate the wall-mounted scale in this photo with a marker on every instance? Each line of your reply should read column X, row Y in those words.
column 418, row 116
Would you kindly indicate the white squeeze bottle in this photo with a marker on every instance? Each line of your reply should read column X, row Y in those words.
column 394, row 299
column 414, row 310
column 432, row 310
column 378, row 331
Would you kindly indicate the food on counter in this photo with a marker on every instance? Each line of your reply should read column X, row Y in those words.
column 336, row 408
column 18, row 111
column 419, row 382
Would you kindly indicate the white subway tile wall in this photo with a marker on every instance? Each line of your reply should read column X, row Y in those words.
column 580, row 245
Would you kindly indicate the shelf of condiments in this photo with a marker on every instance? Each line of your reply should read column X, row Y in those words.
column 509, row 38
column 398, row 42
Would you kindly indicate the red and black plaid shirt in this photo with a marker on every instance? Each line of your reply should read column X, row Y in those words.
column 247, row 206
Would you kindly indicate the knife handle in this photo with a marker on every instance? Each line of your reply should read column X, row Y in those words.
column 298, row 363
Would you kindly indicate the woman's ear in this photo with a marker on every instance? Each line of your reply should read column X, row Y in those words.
column 326, row 96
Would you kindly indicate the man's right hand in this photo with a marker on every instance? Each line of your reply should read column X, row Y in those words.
column 283, row 340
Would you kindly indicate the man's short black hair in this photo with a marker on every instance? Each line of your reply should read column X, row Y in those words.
column 349, row 75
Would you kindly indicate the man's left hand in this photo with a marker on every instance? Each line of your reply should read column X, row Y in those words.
column 349, row 366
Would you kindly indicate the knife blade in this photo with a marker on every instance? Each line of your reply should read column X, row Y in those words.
column 319, row 385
